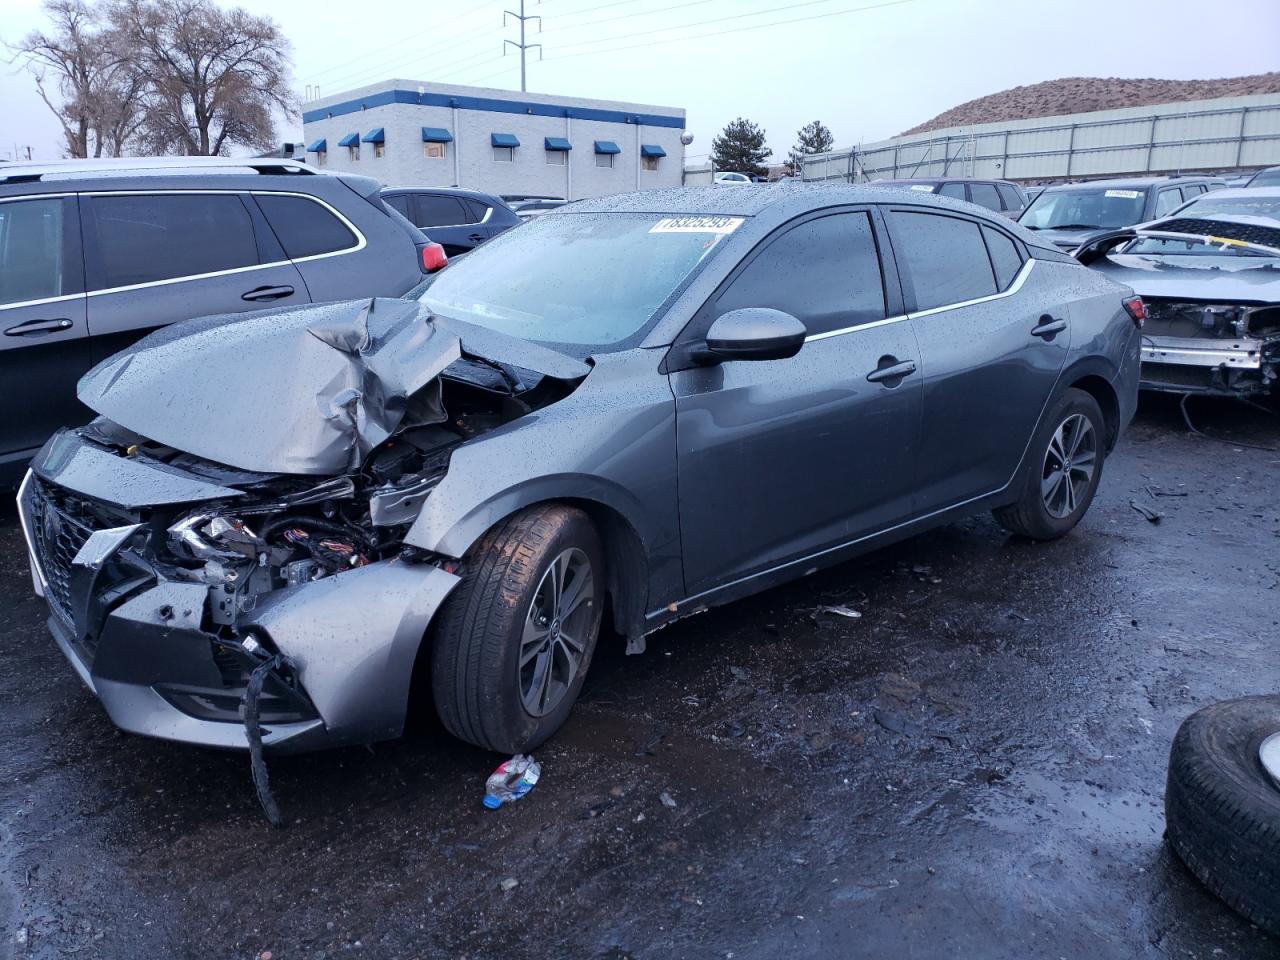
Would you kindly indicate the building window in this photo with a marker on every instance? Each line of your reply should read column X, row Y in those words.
column 433, row 151
column 504, row 146
column 650, row 163
column 379, row 149
column 604, row 160
column 504, row 154
column 321, row 158
column 557, row 158
column 353, row 152
column 650, row 154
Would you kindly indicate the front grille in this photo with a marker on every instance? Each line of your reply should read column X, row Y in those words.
column 1247, row 232
column 60, row 526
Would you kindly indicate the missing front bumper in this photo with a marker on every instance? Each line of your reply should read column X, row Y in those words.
column 1236, row 367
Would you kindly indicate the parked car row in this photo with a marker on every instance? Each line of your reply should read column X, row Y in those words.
column 339, row 498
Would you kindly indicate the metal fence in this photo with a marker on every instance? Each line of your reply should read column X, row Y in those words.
column 1229, row 134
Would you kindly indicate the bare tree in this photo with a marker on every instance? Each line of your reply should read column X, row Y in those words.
column 210, row 77
column 68, row 62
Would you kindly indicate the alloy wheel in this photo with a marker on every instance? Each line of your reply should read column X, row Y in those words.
column 1069, row 465
column 554, row 641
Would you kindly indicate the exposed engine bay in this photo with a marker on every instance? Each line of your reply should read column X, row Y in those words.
column 1229, row 349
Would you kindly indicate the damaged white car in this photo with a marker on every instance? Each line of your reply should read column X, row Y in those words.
column 1210, row 279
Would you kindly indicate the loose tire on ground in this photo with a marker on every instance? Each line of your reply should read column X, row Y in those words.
column 1222, row 811
column 1031, row 516
column 489, row 618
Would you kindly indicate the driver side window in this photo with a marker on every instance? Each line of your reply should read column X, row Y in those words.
column 825, row 272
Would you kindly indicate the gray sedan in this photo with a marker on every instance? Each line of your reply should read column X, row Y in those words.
column 624, row 412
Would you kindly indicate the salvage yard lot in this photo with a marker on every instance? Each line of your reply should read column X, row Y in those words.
column 975, row 767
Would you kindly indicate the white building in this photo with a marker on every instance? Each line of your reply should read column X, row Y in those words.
column 406, row 133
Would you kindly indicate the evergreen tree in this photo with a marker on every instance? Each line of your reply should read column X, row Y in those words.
column 811, row 138
column 740, row 148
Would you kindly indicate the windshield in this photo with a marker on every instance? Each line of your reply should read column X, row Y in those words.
column 1084, row 209
column 1208, row 205
column 580, row 283
column 1266, row 178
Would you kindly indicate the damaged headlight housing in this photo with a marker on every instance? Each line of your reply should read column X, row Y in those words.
column 206, row 536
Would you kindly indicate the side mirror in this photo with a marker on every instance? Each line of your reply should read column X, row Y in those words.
column 753, row 333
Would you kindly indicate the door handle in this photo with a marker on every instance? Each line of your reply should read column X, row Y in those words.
column 1048, row 328
column 263, row 294
column 477, row 237
column 34, row 328
column 891, row 369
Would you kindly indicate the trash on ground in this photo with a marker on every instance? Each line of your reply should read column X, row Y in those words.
column 1151, row 515
column 668, row 801
column 840, row 610
column 511, row 781
column 509, row 884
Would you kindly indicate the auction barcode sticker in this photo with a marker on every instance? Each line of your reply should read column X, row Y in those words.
column 720, row 225
column 1127, row 194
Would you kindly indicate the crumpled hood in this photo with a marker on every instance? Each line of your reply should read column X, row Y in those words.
column 307, row 390
column 1225, row 279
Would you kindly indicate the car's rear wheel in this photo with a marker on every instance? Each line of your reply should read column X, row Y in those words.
column 1066, row 465
column 515, row 638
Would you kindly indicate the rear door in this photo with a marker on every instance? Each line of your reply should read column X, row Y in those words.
column 153, row 258
column 448, row 220
column 44, row 345
column 986, row 195
column 780, row 459
column 993, row 339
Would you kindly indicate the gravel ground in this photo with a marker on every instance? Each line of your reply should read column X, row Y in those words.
column 974, row 768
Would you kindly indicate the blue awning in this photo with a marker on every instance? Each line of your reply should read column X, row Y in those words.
column 504, row 140
column 557, row 143
column 606, row 146
column 318, row 147
column 350, row 140
column 651, row 150
column 436, row 135
column 375, row 136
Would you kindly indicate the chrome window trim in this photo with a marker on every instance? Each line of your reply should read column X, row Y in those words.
column 1014, row 287
column 61, row 298
column 361, row 240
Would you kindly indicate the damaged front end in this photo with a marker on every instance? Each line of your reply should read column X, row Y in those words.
column 171, row 575
column 1212, row 295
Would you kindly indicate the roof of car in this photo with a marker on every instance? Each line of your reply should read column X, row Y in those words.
column 445, row 191
column 169, row 166
column 753, row 199
column 942, row 180
column 1244, row 193
column 1129, row 183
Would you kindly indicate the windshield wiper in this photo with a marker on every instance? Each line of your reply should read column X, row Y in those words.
column 1076, row 226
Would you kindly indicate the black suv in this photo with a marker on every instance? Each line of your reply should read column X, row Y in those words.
column 94, row 254
column 999, row 195
column 458, row 220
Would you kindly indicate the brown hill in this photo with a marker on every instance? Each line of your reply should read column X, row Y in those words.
column 1053, row 98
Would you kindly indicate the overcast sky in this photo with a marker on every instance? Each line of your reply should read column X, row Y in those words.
column 869, row 69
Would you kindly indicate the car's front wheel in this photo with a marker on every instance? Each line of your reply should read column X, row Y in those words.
column 1066, row 465
column 515, row 638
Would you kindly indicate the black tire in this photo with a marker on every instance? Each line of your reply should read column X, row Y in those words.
column 476, row 675
column 1030, row 516
column 1222, row 811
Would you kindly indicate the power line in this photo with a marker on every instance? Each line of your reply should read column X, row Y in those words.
column 628, row 16
column 724, row 19
column 721, row 33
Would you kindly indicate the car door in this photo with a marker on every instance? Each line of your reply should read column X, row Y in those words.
column 448, row 221
column 780, row 459
column 1167, row 201
column 993, row 339
column 153, row 258
column 43, row 333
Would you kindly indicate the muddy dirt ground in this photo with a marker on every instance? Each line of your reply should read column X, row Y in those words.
column 974, row 768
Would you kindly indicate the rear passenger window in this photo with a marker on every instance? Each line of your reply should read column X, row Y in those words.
column 435, row 210
column 955, row 190
column 1005, row 256
column 32, row 251
column 825, row 272
column 1009, row 194
column 476, row 210
column 1166, row 200
column 984, row 194
column 304, row 227
column 946, row 257
column 400, row 204
column 144, row 238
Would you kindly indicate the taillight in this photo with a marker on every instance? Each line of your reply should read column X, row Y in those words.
column 433, row 258
column 1137, row 310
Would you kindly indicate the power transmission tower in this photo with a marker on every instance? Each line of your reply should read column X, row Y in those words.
column 522, row 46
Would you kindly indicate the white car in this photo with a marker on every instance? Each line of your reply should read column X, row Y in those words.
column 731, row 179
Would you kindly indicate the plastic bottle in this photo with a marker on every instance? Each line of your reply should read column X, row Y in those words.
column 511, row 781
